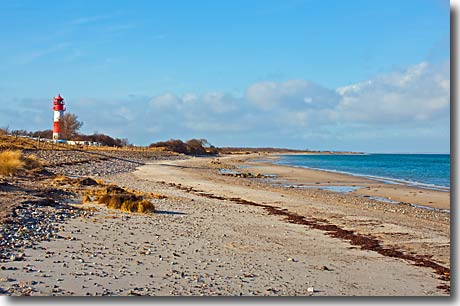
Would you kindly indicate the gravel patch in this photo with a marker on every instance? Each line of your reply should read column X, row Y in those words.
column 30, row 223
column 77, row 163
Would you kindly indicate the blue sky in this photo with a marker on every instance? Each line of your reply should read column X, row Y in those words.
column 342, row 75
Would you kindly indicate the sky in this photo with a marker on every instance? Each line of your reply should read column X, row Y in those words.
column 370, row 76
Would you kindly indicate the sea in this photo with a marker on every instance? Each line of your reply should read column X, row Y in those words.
column 430, row 171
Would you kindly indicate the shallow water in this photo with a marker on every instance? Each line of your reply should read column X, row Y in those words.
column 431, row 171
column 341, row 189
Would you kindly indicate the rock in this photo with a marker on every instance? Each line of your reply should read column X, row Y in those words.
column 324, row 268
column 310, row 290
column 14, row 258
column 87, row 182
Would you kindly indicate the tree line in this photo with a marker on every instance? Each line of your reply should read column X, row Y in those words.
column 190, row 147
column 71, row 125
column 69, row 131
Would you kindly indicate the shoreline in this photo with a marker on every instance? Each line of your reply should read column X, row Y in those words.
column 216, row 234
column 382, row 179
column 383, row 190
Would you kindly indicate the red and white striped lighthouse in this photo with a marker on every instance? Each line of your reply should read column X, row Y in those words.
column 58, row 109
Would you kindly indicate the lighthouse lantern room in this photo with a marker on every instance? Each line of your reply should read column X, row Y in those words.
column 58, row 108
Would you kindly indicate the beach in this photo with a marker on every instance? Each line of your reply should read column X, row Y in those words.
column 249, row 230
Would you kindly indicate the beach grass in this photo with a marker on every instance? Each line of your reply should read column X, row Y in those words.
column 31, row 162
column 115, row 197
column 11, row 162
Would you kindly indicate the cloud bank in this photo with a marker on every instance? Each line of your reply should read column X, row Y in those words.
column 395, row 111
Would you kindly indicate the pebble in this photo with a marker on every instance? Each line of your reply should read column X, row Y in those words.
column 32, row 222
column 72, row 163
column 325, row 268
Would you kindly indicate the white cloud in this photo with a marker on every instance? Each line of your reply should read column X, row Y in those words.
column 190, row 98
column 292, row 94
column 167, row 100
column 220, row 102
column 390, row 106
column 419, row 93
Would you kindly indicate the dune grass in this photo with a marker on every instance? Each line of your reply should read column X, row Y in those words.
column 31, row 163
column 11, row 162
column 115, row 197
column 86, row 199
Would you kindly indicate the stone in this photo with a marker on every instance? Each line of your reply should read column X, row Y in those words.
column 88, row 182
column 325, row 268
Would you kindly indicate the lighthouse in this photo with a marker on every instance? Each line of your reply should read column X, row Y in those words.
column 58, row 108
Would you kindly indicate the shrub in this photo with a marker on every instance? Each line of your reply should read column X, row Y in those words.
column 103, row 139
column 46, row 134
column 4, row 131
column 191, row 147
column 10, row 162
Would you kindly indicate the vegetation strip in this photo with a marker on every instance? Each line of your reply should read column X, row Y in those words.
column 366, row 242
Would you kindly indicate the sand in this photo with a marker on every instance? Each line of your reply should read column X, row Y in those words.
column 203, row 241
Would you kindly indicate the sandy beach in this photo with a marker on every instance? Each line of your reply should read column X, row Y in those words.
column 252, row 234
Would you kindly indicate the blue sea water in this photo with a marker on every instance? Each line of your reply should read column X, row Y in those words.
column 424, row 170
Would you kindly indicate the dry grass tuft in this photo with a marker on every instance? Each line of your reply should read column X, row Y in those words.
column 104, row 199
column 115, row 197
column 87, row 198
column 114, row 189
column 10, row 162
column 140, row 206
column 116, row 201
column 158, row 196
column 31, row 162
column 145, row 206
column 99, row 182
column 62, row 180
column 129, row 206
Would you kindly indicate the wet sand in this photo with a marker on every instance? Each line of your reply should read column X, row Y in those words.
column 311, row 178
